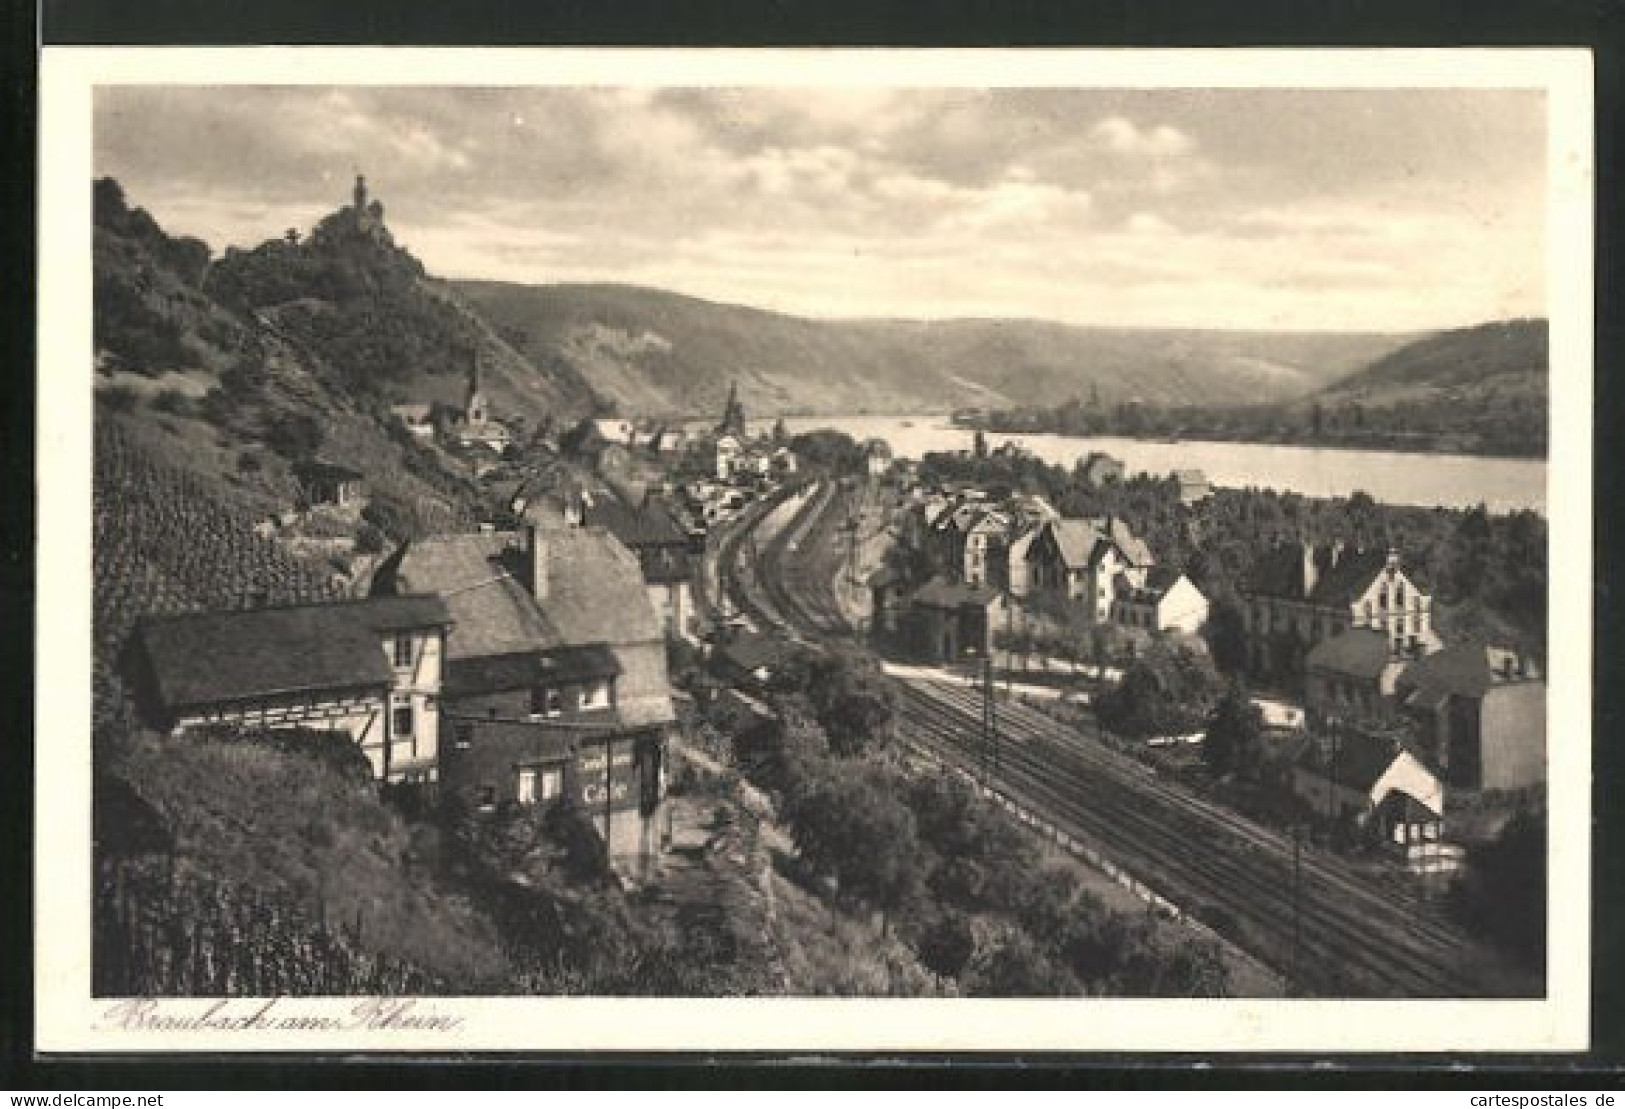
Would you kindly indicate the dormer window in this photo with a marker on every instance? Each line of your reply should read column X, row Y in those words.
column 546, row 702
column 403, row 651
column 595, row 695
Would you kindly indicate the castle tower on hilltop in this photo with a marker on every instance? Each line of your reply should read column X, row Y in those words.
column 369, row 215
column 733, row 413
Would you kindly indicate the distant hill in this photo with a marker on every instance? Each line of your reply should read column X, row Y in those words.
column 1506, row 359
column 1483, row 389
column 650, row 351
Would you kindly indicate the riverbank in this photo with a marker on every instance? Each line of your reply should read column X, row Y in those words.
column 1502, row 485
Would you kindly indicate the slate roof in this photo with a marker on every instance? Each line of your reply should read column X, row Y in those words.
column 1158, row 581
column 1076, row 540
column 1279, row 573
column 992, row 521
column 323, row 470
column 522, row 671
column 1360, row 758
column 493, row 612
column 1357, row 652
column 595, row 590
column 1461, row 669
column 202, row 658
column 1350, row 577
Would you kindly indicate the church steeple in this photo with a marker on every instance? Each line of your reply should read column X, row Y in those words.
column 733, row 413
column 474, row 409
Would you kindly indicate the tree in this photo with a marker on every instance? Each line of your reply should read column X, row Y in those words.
column 946, row 943
column 1169, row 690
column 848, row 823
column 853, row 703
column 781, row 434
column 979, row 444
column 1234, row 743
column 1013, row 965
column 296, row 436
column 1503, row 894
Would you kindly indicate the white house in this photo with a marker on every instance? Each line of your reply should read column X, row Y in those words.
column 1372, row 780
column 1167, row 601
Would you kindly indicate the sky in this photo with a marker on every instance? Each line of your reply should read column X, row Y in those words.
column 1387, row 210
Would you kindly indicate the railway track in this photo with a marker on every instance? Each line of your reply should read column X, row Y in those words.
column 1340, row 933
column 1348, row 941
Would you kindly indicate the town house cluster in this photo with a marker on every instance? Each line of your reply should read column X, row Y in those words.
column 497, row 667
column 1394, row 715
column 995, row 565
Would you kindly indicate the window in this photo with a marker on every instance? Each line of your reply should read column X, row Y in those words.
column 595, row 695
column 487, row 798
column 546, row 702
column 403, row 651
column 1399, row 594
column 525, row 790
column 552, row 783
column 403, row 721
column 465, row 736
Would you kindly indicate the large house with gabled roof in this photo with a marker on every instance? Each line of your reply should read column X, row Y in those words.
column 556, row 678
column 1480, row 712
column 1084, row 562
column 1300, row 595
column 369, row 668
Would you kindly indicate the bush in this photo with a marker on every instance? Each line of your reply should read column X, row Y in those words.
column 296, row 436
column 175, row 402
column 1502, row 896
column 946, row 943
column 1169, row 691
column 336, row 751
column 119, row 398
column 1014, row 965
column 847, row 823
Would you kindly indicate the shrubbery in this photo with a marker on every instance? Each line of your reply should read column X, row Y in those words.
column 1170, row 690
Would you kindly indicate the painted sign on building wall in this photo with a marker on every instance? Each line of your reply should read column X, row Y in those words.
column 611, row 780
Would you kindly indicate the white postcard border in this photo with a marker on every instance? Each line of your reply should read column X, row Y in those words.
column 68, row 1019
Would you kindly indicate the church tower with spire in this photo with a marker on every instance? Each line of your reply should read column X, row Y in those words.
column 474, row 410
column 733, row 414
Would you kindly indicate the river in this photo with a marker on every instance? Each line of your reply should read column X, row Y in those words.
column 1394, row 477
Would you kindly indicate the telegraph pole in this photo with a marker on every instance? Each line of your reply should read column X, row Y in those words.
column 1297, row 912
column 990, row 727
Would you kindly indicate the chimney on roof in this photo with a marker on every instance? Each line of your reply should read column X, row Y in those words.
column 1393, row 560
column 536, row 547
column 1311, row 569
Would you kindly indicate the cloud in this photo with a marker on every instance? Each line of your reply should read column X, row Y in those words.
column 1148, row 223
column 1121, row 136
column 1196, row 207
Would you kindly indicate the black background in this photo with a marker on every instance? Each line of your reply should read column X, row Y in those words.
column 1212, row 23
